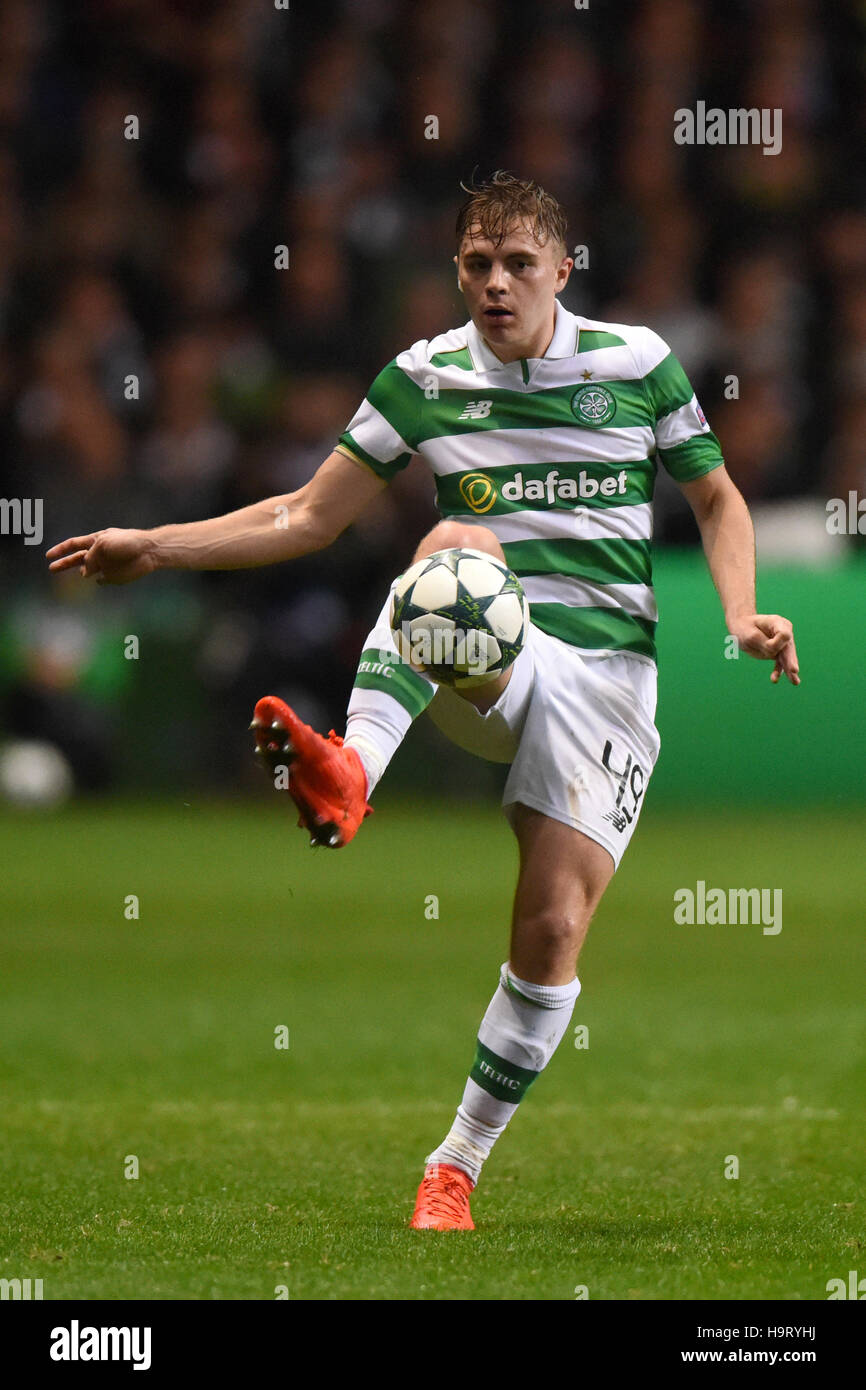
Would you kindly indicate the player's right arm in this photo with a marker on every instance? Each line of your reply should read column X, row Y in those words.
column 265, row 533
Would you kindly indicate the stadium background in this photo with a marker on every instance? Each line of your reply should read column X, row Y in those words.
column 152, row 938
column 258, row 128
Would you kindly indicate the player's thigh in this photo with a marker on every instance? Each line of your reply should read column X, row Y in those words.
column 493, row 732
column 588, row 744
column 563, row 875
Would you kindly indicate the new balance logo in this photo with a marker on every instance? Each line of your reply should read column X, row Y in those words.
column 476, row 410
column 618, row 819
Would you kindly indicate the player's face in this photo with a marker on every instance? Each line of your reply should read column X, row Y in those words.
column 510, row 290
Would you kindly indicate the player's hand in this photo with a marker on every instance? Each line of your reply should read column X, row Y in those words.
column 769, row 637
column 110, row 557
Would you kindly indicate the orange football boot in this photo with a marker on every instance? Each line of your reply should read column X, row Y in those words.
column 442, row 1203
column 327, row 782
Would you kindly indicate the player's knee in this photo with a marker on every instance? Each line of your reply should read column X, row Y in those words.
column 554, row 936
column 459, row 535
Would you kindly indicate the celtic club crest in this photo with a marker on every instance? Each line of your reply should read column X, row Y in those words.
column 593, row 405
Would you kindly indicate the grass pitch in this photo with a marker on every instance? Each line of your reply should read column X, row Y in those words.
column 263, row 1167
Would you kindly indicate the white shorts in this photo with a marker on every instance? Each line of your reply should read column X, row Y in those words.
column 578, row 731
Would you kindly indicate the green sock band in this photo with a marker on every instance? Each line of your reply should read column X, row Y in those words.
column 499, row 1078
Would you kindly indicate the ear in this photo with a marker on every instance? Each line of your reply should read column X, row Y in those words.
column 563, row 272
column 456, row 261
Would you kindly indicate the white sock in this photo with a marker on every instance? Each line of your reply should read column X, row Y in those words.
column 522, row 1028
column 375, row 728
column 387, row 696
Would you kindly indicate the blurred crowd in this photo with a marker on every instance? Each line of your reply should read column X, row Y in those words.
column 155, row 364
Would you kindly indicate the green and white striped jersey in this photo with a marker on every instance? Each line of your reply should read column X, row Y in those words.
column 557, row 455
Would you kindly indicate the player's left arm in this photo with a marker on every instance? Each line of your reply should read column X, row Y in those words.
column 729, row 545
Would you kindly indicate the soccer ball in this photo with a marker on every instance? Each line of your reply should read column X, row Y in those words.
column 34, row 774
column 460, row 616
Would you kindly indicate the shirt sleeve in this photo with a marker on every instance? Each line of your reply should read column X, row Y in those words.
column 383, row 432
column 687, row 447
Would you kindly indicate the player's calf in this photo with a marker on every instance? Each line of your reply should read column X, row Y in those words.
column 563, row 875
